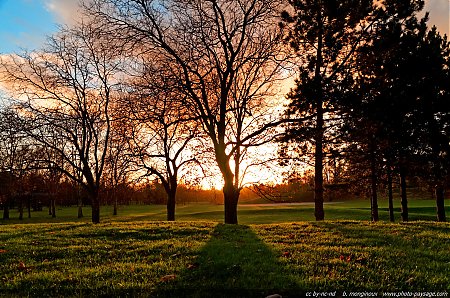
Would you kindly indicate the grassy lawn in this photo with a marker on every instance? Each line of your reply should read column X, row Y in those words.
column 276, row 249
column 247, row 214
column 205, row 259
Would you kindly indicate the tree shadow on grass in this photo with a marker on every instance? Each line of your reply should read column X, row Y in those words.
column 234, row 263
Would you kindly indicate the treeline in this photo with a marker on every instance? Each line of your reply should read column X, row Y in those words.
column 183, row 90
column 36, row 192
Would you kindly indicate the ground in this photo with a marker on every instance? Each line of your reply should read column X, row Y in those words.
column 132, row 255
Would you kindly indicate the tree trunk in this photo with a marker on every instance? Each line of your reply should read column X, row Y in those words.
column 50, row 207
column 374, row 178
column 29, row 206
column 80, row 211
column 6, row 209
column 230, row 191
column 171, row 202
column 404, row 197
column 53, row 208
column 80, row 203
column 115, row 206
column 20, row 208
column 231, row 197
column 439, row 190
column 390, row 195
column 95, row 203
column 318, row 154
column 318, row 180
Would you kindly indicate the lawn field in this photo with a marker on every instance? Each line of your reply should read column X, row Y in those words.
column 247, row 214
column 275, row 249
column 206, row 259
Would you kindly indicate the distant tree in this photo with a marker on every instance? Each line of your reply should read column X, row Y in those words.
column 164, row 131
column 65, row 91
column 15, row 159
column 119, row 160
column 226, row 57
column 325, row 36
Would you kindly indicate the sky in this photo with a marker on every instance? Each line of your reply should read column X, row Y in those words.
column 24, row 24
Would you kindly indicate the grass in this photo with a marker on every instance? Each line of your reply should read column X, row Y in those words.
column 277, row 249
column 200, row 259
column 247, row 214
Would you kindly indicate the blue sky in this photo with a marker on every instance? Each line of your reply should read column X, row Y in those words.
column 26, row 23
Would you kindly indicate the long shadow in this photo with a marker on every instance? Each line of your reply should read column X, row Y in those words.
column 234, row 263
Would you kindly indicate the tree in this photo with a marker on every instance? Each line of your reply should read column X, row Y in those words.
column 395, row 89
column 119, row 161
column 226, row 57
column 65, row 92
column 164, row 132
column 431, row 113
column 15, row 159
column 325, row 36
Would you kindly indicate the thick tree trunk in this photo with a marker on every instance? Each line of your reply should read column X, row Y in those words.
column 95, row 211
column 50, row 207
column 390, row 196
column 404, row 197
column 6, row 207
column 95, row 203
column 231, row 197
column 318, row 179
column 439, row 191
column 230, row 191
column 6, row 210
column 374, row 178
column 171, row 203
column 80, row 211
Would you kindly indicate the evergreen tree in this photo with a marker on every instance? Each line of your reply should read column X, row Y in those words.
column 325, row 36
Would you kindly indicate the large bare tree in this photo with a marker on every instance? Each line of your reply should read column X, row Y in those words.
column 225, row 55
column 65, row 91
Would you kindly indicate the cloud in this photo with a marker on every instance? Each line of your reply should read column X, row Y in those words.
column 439, row 14
column 66, row 11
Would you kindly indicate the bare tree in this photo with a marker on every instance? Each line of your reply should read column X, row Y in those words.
column 226, row 58
column 164, row 131
column 15, row 159
column 65, row 91
column 119, row 159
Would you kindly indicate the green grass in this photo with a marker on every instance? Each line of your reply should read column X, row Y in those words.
column 205, row 259
column 247, row 214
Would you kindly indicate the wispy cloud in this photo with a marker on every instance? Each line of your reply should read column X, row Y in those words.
column 65, row 11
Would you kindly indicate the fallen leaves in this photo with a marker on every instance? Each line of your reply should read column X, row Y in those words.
column 167, row 278
column 22, row 266
column 2, row 251
column 349, row 259
column 192, row 266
